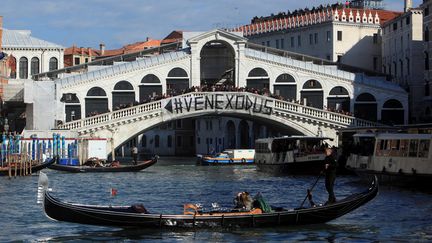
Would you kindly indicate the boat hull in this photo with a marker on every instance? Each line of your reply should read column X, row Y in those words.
column 36, row 168
column 87, row 169
column 123, row 216
column 309, row 167
column 214, row 161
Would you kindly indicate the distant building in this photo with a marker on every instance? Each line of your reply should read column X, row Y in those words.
column 336, row 33
column 402, row 57
column 27, row 56
column 426, row 109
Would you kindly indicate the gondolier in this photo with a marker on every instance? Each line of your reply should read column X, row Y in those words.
column 135, row 155
column 330, row 174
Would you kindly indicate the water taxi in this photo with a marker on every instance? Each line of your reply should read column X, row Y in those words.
column 290, row 154
column 229, row 157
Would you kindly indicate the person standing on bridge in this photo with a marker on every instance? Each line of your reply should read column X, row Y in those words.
column 135, row 155
column 330, row 174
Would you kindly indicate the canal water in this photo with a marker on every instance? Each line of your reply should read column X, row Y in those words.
column 394, row 215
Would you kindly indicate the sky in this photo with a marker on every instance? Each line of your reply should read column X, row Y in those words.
column 87, row 23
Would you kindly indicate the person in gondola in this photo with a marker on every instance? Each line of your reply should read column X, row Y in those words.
column 135, row 155
column 330, row 174
column 243, row 201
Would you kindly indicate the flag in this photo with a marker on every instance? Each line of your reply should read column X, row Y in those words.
column 113, row 192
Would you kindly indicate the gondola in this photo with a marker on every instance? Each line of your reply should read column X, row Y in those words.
column 89, row 169
column 138, row 216
column 4, row 171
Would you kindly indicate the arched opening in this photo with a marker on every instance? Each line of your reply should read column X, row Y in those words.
column 285, row 86
column 177, row 81
column 23, row 68
column 312, row 94
column 230, row 132
column 244, row 135
column 258, row 79
column 392, row 112
column 34, row 68
column 96, row 102
column 53, row 65
column 72, row 107
column 365, row 107
column 338, row 99
column 150, row 87
column 12, row 66
column 217, row 63
column 123, row 95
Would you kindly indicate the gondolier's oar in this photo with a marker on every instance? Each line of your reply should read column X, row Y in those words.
column 309, row 191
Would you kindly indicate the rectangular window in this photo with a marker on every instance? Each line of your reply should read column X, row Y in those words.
column 328, row 36
column 375, row 38
column 277, row 44
column 408, row 20
column 86, row 60
column 268, row 43
column 299, row 40
column 282, row 43
column 424, row 148
column 339, row 35
column 316, row 38
column 292, row 41
column 179, row 141
column 375, row 63
column 339, row 58
column 310, row 39
column 413, row 148
column 395, row 26
column 179, row 124
column 77, row 61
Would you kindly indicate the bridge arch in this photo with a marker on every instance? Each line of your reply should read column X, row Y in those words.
column 339, row 99
column 286, row 86
column 123, row 95
column 258, row 78
column 177, row 80
column 365, row 107
column 96, row 102
column 217, row 62
column 150, row 86
column 312, row 93
column 392, row 112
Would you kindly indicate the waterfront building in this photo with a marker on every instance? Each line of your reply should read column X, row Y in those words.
column 426, row 109
column 27, row 56
column 402, row 57
column 336, row 33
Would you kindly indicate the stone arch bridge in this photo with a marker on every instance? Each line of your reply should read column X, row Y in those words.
column 121, row 125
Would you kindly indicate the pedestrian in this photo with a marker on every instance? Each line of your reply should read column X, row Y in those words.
column 330, row 174
column 135, row 155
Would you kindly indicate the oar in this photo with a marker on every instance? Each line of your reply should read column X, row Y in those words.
column 310, row 190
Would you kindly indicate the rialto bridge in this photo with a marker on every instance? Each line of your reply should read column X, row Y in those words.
column 205, row 59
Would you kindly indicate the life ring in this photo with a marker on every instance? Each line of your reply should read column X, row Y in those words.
column 243, row 161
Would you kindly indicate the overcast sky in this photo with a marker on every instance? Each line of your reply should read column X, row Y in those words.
column 87, row 23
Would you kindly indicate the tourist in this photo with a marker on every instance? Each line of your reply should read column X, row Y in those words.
column 330, row 174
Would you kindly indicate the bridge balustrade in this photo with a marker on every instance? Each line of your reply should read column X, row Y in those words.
column 279, row 106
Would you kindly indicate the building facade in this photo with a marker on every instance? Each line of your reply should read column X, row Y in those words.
column 427, row 52
column 402, row 57
column 335, row 33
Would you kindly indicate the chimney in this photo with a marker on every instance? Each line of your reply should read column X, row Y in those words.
column 102, row 48
column 408, row 5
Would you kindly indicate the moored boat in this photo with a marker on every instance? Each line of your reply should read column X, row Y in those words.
column 138, row 216
column 396, row 158
column 12, row 170
column 141, row 165
column 290, row 154
column 229, row 157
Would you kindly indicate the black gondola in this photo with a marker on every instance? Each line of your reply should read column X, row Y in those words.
column 4, row 171
column 122, row 168
column 137, row 216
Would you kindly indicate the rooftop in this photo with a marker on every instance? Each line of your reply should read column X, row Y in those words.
column 23, row 39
